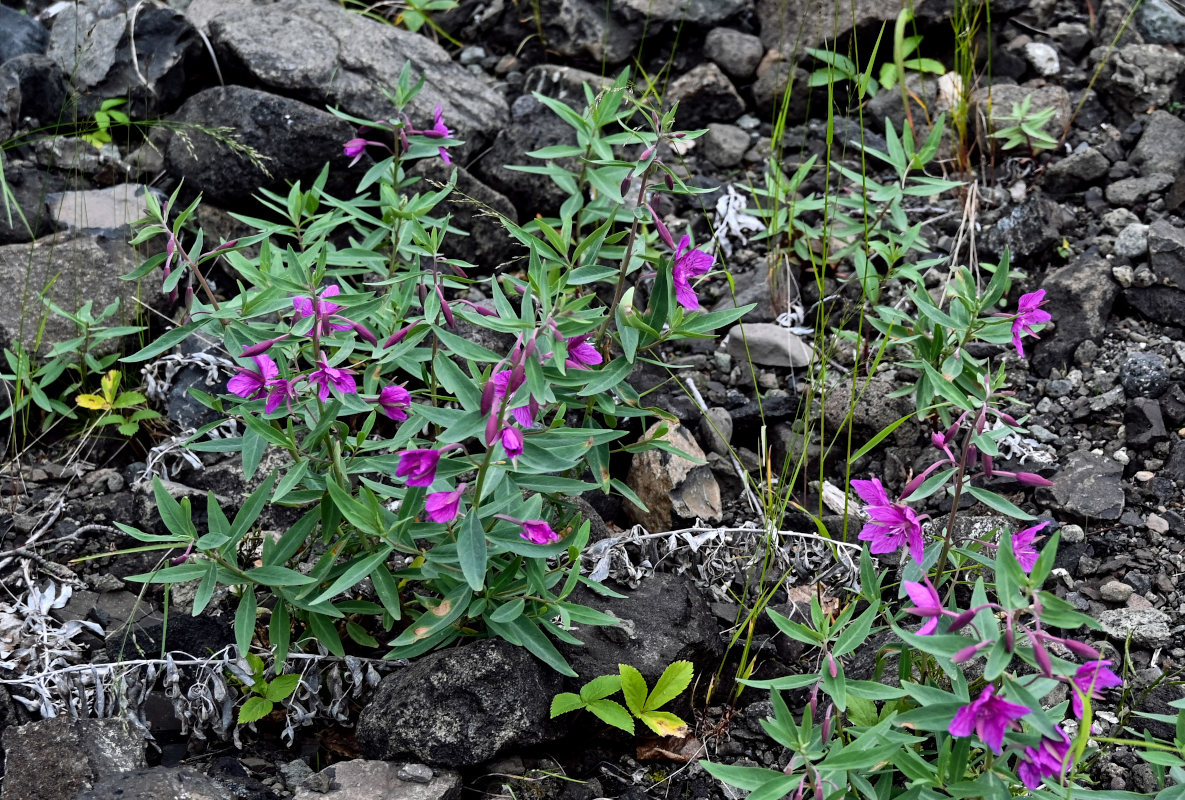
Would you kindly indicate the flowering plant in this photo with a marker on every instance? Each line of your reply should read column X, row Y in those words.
column 428, row 424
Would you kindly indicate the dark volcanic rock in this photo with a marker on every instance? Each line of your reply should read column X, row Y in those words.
column 153, row 69
column 705, row 94
column 43, row 88
column 20, row 34
column 1162, row 146
column 1028, row 230
column 59, row 758
column 462, row 706
column 324, row 54
column 293, row 140
column 1144, row 375
column 665, row 619
column 1079, row 296
column 1160, row 304
column 1089, row 487
column 29, row 187
column 1166, row 250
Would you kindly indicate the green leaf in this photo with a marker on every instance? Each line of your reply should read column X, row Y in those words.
column 278, row 576
column 166, row 341
column 439, row 617
column 255, row 709
column 633, row 686
column 748, row 779
column 998, row 503
column 673, row 681
column 508, row 612
column 254, row 446
column 612, row 374
column 245, row 620
column 532, row 638
column 324, row 630
column 358, row 569
column 205, row 590
column 564, row 702
column 282, row 687
column 471, row 551
column 612, row 713
column 600, row 687
column 855, row 634
column 171, row 513
column 251, row 509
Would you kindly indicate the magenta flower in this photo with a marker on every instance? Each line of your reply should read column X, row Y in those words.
column 581, row 354
column 439, row 131
column 512, row 442
column 279, row 391
column 505, row 383
column 324, row 375
column 418, row 466
column 1022, row 547
column 1028, row 314
column 356, row 148
column 1048, row 759
column 322, row 309
column 689, row 265
column 926, row 603
column 890, row 524
column 394, row 399
column 1089, row 681
column 443, row 507
column 537, row 531
column 250, row 384
column 989, row 716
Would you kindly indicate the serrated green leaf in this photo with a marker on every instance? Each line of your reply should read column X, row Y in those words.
column 633, row 686
column 600, row 687
column 282, row 687
column 613, row 713
column 565, row 702
column 255, row 709
column 673, row 681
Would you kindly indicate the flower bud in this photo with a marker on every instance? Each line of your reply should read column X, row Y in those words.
column 972, row 456
column 625, row 185
column 670, row 182
column 832, row 666
column 262, row 347
column 448, row 311
column 398, row 336
column 365, row 333
column 1009, row 639
column 493, row 428
column 961, row 621
column 1032, row 479
column 967, row 653
column 813, row 700
column 825, row 730
column 487, row 396
column 649, row 151
column 1082, row 649
column 987, row 465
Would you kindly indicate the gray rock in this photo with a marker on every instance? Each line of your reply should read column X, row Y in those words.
column 10, row 102
column 1136, row 77
column 715, row 430
column 44, row 93
column 293, row 141
column 360, row 779
column 874, row 409
column 1162, row 145
column 582, row 30
column 29, row 187
column 1117, row 219
column 20, row 34
column 924, row 103
column 704, row 94
column 81, row 268
column 791, row 26
column 1076, row 171
column 1159, row 304
column 1115, row 591
column 564, row 83
column 1129, row 191
column 323, row 54
column 781, row 82
column 108, row 212
column 1029, row 230
column 456, row 708
column 1144, row 374
column 672, row 487
column 62, row 757
column 90, row 42
column 1166, row 248
column 698, row 12
column 159, row 783
column 768, row 344
column 1072, row 38
column 665, row 619
column 725, row 145
column 1161, row 22
column 1042, row 58
column 1132, row 242
column 1143, row 423
column 1089, row 487
column 737, row 53
column 1147, row 627
column 1079, row 296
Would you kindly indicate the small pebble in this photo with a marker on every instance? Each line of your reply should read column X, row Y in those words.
column 1143, row 476
column 1072, row 534
column 1157, row 523
column 1115, row 591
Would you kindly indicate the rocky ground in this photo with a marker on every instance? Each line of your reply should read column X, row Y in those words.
column 1098, row 223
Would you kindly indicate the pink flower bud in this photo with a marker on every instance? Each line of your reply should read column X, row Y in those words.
column 493, row 428
column 960, row 622
column 832, row 666
column 487, row 395
column 444, row 306
column 1032, row 479
column 645, row 156
column 1009, row 638
column 825, row 730
column 262, row 347
column 398, row 336
column 967, row 653
column 1082, row 649
column 987, row 465
column 365, row 333
column 625, row 185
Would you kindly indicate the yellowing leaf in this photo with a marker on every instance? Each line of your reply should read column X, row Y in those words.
column 664, row 723
column 110, row 385
column 92, row 401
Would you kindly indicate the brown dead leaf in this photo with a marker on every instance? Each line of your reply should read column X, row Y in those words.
column 802, row 594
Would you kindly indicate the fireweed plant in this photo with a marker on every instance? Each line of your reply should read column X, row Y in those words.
column 428, row 425
column 993, row 691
